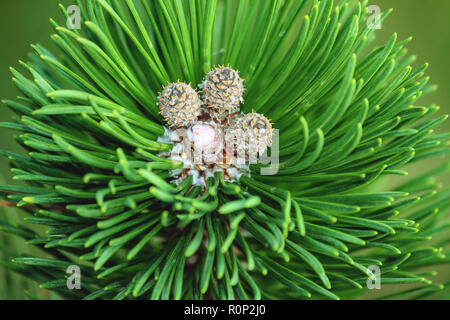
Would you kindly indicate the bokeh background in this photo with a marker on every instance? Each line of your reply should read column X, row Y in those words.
column 24, row 22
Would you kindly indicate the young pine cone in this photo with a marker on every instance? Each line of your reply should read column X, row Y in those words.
column 223, row 90
column 179, row 105
column 253, row 132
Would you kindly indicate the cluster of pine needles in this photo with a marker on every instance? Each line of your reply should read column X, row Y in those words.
column 348, row 119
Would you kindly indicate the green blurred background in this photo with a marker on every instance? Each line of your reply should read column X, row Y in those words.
column 24, row 22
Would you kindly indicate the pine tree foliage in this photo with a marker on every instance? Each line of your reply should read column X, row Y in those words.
column 348, row 118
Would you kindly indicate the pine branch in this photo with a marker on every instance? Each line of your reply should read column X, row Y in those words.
column 97, row 177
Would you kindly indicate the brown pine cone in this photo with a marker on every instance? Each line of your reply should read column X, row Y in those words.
column 179, row 105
